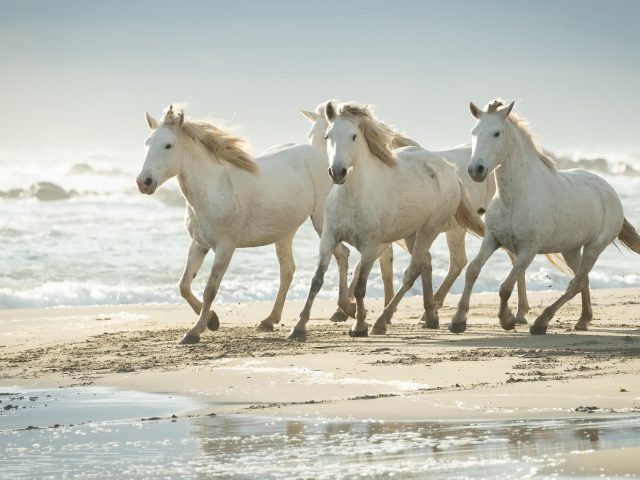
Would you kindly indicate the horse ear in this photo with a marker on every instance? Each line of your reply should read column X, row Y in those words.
column 475, row 111
column 330, row 111
column 311, row 116
column 181, row 118
column 153, row 124
column 504, row 112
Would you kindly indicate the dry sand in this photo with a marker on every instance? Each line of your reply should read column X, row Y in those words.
column 411, row 373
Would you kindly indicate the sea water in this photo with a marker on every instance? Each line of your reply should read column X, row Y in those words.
column 88, row 237
column 104, row 433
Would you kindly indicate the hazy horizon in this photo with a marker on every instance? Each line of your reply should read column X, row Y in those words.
column 80, row 75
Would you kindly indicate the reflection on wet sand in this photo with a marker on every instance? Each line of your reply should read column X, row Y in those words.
column 108, row 433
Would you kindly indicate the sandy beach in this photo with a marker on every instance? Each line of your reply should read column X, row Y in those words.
column 409, row 374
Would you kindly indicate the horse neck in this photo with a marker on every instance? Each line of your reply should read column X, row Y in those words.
column 200, row 175
column 521, row 171
column 368, row 175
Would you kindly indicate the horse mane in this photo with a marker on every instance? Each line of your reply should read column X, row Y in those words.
column 521, row 125
column 221, row 144
column 378, row 136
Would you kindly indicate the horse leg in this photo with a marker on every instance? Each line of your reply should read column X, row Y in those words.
column 523, row 302
column 457, row 261
column 341, row 254
column 386, row 272
column 573, row 261
column 579, row 283
column 520, row 263
column 327, row 245
column 220, row 264
column 489, row 245
column 195, row 257
column 419, row 255
column 339, row 315
column 430, row 315
column 287, row 269
column 367, row 259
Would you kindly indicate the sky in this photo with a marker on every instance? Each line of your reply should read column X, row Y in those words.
column 77, row 75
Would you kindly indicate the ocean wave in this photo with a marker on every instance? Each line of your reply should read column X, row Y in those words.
column 73, row 294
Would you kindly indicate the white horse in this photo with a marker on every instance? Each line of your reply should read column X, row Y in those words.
column 317, row 139
column 480, row 194
column 236, row 202
column 382, row 197
column 538, row 209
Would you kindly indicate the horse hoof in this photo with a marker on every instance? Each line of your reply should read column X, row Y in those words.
column 457, row 327
column 521, row 321
column 213, row 323
column 375, row 330
column 297, row 336
column 538, row 329
column 189, row 339
column 581, row 327
column 359, row 333
column 430, row 321
column 339, row 316
column 264, row 327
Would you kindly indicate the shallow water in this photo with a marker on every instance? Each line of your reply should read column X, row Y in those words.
column 103, row 433
column 109, row 244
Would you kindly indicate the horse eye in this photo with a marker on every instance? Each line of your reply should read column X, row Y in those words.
column 167, row 146
column 496, row 134
column 354, row 137
column 326, row 137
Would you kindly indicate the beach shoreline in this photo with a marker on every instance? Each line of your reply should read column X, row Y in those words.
column 409, row 374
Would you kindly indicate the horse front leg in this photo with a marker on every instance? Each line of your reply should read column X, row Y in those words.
column 220, row 264
column 328, row 243
column 195, row 257
column 489, row 245
column 520, row 263
column 368, row 257
column 284, row 252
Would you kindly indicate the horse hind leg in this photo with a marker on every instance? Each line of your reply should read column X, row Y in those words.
column 572, row 259
column 579, row 283
column 339, row 315
column 457, row 261
column 523, row 301
column 520, row 263
column 284, row 251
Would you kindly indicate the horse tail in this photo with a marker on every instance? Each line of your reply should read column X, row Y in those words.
column 629, row 237
column 557, row 262
column 466, row 216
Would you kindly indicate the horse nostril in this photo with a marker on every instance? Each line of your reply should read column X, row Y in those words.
column 343, row 172
column 148, row 181
column 480, row 169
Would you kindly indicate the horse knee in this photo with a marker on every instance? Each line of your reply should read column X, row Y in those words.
column 185, row 289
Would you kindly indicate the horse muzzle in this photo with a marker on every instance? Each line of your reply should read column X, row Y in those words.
column 339, row 175
column 478, row 172
column 146, row 185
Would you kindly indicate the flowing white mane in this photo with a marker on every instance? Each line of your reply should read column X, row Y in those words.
column 221, row 144
column 378, row 137
column 520, row 125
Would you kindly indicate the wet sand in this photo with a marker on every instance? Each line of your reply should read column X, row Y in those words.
column 409, row 374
